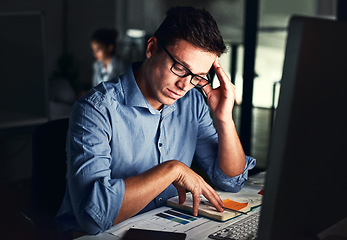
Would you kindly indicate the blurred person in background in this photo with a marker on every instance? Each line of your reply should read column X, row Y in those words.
column 108, row 63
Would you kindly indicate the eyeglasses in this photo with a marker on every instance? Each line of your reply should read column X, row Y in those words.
column 182, row 71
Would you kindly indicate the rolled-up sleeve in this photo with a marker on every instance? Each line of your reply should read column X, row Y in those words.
column 232, row 184
column 95, row 197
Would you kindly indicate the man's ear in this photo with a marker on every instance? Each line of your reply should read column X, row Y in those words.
column 152, row 45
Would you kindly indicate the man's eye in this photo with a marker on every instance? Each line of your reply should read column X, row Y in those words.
column 198, row 79
column 179, row 68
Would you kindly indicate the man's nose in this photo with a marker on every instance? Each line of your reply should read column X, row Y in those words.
column 183, row 83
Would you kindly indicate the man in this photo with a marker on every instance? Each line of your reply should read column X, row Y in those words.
column 132, row 140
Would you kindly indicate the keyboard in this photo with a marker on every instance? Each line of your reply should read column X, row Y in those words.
column 245, row 229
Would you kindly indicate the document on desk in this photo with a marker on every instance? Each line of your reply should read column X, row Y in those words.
column 164, row 219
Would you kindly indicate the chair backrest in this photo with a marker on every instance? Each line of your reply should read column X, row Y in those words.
column 49, row 166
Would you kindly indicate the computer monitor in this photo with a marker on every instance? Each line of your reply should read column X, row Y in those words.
column 306, row 182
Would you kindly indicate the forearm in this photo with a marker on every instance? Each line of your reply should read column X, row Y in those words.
column 231, row 157
column 143, row 188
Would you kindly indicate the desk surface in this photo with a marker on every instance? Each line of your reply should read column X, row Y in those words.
column 195, row 228
column 198, row 229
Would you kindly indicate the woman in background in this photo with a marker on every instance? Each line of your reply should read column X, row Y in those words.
column 108, row 64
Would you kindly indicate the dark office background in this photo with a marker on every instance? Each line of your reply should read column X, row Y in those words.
column 52, row 37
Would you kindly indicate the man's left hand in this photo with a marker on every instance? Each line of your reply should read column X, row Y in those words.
column 221, row 99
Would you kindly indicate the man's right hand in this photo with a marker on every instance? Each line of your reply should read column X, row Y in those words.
column 143, row 188
column 188, row 180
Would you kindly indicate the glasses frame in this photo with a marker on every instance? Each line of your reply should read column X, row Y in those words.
column 207, row 79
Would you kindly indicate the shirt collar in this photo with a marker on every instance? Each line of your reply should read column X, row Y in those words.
column 133, row 95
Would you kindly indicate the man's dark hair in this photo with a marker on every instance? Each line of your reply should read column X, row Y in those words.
column 196, row 26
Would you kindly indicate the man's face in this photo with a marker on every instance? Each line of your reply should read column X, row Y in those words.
column 163, row 86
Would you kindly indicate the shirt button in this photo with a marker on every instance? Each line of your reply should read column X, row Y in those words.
column 160, row 144
column 160, row 199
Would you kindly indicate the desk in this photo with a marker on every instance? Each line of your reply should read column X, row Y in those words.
column 196, row 231
column 196, row 228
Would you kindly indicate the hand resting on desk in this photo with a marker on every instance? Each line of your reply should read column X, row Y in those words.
column 143, row 188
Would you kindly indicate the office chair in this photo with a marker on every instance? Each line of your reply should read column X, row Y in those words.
column 48, row 177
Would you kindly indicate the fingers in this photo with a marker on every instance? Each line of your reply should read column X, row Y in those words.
column 221, row 75
column 181, row 194
column 194, row 183
column 207, row 89
column 196, row 202
column 215, row 200
column 211, row 196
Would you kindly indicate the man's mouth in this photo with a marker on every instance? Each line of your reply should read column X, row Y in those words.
column 174, row 95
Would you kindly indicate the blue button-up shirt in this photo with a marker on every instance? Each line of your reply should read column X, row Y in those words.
column 115, row 133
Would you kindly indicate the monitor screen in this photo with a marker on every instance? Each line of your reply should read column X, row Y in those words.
column 306, row 182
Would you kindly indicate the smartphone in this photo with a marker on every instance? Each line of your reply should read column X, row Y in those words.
column 144, row 234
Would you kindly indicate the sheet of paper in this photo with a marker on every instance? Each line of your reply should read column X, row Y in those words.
column 164, row 219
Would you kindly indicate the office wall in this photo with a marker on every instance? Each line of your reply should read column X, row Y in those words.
column 52, row 10
column 84, row 17
column 147, row 15
column 276, row 13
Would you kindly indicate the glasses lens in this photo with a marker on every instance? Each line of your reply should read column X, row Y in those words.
column 179, row 70
column 199, row 81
